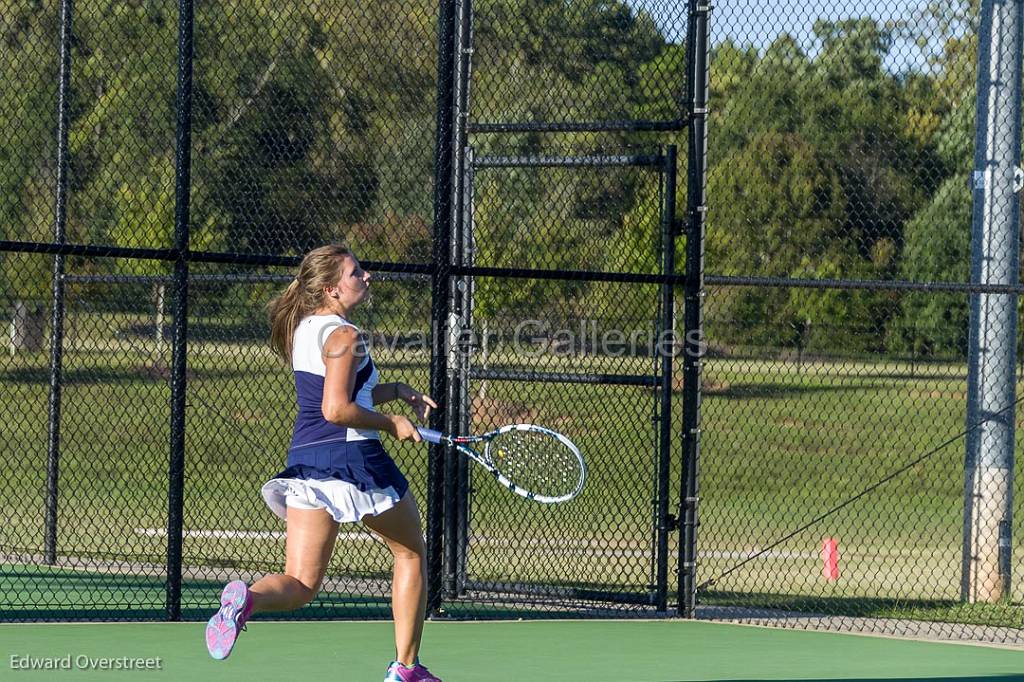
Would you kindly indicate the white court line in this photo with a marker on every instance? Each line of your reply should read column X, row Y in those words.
column 767, row 555
column 587, row 547
column 244, row 534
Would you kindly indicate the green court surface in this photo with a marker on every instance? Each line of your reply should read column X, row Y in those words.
column 530, row 650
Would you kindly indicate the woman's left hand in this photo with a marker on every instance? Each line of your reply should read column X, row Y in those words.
column 419, row 402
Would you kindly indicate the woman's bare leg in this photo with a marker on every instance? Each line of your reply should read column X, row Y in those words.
column 311, row 536
column 400, row 529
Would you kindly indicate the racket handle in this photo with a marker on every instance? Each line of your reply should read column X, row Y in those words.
column 429, row 435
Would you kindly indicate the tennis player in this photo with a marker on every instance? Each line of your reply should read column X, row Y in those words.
column 337, row 470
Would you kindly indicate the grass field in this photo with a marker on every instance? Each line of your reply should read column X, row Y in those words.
column 781, row 444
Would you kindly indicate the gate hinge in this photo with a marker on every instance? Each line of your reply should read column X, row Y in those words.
column 671, row 522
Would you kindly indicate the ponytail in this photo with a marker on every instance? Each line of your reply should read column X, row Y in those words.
column 320, row 268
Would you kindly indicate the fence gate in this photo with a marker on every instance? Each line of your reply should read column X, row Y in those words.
column 597, row 364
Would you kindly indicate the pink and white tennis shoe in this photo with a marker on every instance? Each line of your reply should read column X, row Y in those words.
column 223, row 629
column 418, row 673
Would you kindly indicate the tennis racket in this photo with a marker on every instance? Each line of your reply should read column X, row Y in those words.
column 540, row 464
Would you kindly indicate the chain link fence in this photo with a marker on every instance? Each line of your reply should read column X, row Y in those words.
column 528, row 182
column 858, row 421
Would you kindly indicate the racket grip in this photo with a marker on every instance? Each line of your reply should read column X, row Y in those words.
column 429, row 435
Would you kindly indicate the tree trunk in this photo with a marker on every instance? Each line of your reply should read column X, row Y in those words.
column 28, row 327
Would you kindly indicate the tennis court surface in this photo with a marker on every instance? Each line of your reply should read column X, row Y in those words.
column 527, row 650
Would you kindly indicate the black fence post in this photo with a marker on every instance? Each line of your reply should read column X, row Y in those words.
column 57, row 312
column 179, row 353
column 456, row 470
column 461, row 521
column 665, row 347
column 457, row 320
column 444, row 156
column 693, row 339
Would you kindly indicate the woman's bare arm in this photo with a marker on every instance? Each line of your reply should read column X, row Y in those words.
column 341, row 360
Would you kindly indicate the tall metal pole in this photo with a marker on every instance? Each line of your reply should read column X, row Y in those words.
column 995, row 259
column 179, row 353
column 57, row 292
column 457, row 313
column 461, row 534
column 693, row 324
column 444, row 184
column 666, row 357
column 466, row 241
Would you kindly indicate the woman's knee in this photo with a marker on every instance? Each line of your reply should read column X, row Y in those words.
column 307, row 588
column 412, row 551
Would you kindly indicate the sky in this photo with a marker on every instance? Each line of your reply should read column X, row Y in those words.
column 758, row 22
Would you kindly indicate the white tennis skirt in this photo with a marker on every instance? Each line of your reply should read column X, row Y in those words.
column 344, row 501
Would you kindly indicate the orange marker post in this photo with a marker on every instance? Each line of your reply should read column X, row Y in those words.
column 830, row 559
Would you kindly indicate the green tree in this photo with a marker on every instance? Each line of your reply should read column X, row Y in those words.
column 315, row 123
column 938, row 236
column 815, row 175
column 551, row 61
column 28, row 142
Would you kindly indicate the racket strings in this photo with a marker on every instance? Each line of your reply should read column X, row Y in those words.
column 535, row 461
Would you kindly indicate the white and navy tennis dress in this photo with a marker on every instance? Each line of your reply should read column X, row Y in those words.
column 343, row 470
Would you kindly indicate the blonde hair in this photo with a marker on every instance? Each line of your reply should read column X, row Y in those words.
column 320, row 268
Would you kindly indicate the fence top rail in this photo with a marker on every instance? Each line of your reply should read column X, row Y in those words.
column 223, row 277
column 554, row 161
column 417, row 271
column 578, row 126
column 516, row 375
column 786, row 282
column 171, row 254
column 591, row 275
